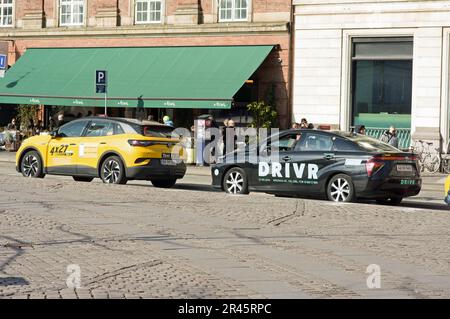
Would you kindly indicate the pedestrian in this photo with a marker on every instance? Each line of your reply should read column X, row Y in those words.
column 295, row 126
column 12, row 126
column 303, row 123
column 60, row 121
column 361, row 130
column 310, row 126
column 230, row 133
column 167, row 120
column 390, row 136
column 150, row 117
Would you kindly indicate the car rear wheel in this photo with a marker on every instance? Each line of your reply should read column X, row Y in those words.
column 390, row 201
column 31, row 165
column 112, row 171
column 235, row 182
column 163, row 183
column 340, row 189
column 82, row 178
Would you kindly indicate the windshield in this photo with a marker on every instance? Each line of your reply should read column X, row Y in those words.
column 371, row 144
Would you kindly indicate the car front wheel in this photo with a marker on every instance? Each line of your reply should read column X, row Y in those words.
column 235, row 182
column 340, row 189
column 31, row 165
column 112, row 171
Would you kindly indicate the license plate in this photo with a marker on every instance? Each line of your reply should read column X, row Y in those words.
column 404, row 168
column 407, row 182
column 168, row 162
column 167, row 156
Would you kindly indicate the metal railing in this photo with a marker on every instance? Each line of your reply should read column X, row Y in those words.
column 403, row 135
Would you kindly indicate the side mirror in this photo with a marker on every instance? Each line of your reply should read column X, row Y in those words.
column 54, row 134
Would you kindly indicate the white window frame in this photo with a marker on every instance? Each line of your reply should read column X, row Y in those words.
column 162, row 12
column 346, row 66
column 72, row 3
column 233, row 11
column 6, row 5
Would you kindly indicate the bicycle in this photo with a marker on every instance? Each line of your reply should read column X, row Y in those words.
column 428, row 160
column 446, row 160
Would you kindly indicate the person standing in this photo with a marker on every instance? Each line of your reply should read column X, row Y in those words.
column 12, row 126
column 167, row 120
column 390, row 136
column 362, row 130
column 60, row 121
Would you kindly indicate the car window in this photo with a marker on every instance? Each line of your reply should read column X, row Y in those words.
column 99, row 128
column 118, row 129
column 316, row 142
column 371, row 144
column 285, row 143
column 159, row 131
column 343, row 145
column 72, row 129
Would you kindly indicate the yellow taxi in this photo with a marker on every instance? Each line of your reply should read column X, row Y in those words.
column 113, row 149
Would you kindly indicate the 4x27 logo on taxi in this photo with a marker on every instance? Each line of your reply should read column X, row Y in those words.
column 60, row 150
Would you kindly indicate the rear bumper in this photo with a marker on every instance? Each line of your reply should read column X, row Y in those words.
column 156, row 170
column 392, row 187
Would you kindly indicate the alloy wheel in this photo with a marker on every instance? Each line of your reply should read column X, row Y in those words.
column 340, row 190
column 235, row 183
column 30, row 165
column 111, row 171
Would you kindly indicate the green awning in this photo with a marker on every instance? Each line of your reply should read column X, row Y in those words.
column 151, row 77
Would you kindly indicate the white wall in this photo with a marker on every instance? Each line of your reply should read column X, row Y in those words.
column 323, row 32
column 317, row 75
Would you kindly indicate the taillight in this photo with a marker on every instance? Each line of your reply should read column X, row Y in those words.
column 372, row 166
column 140, row 143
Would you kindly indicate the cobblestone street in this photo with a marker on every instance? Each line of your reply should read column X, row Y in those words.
column 136, row 241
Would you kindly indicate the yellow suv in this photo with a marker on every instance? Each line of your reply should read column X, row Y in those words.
column 114, row 149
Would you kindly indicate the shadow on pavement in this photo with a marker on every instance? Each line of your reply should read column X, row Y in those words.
column 13, row 281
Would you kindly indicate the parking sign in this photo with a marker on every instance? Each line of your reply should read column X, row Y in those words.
column 2, row 62
column 100, row 81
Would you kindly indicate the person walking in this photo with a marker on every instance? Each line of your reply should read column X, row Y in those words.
column 390, row 136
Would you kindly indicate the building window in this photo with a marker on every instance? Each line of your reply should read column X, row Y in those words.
column 149, row 11
column 71, row 12
column 233, row 10
column 6, row 13
column 382, row 82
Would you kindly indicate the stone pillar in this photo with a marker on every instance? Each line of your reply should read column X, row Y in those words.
column 106, row 17
column 33, row 19
column 106, row 13
column 188, row 12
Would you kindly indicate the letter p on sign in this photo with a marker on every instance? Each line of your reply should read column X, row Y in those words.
column 100, row 77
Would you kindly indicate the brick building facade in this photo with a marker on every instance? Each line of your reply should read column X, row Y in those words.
column 146, row 23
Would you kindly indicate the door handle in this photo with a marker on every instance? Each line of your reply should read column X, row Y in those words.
column 72, row 144
column 103, row 143
column 287, row 158
column 328, row 156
